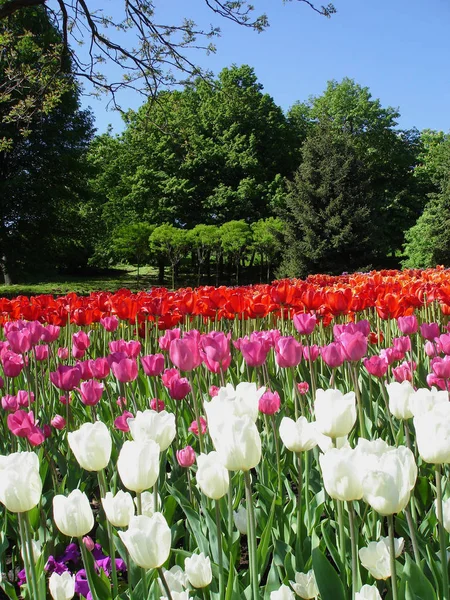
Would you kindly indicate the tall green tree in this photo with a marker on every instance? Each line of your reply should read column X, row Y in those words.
column 387, row 151
column 330, row 218
column 204, row 155
column 43, row 176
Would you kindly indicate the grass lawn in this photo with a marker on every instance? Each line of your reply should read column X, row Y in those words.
column 122, row 276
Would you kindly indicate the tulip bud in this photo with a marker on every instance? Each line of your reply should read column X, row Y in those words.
column 269, row 403
column 368, row 592
column 237, row 442
column 283, row 593
column 157, row 405
column 335, row 412
column 119, row 508
column 73, row 514
column 91, row 445
column 88, row 542
column 20, row 482
column 303, row 388
column 240, row 519
column 399, row 395
column 212, row 477
column 148, row 540
column 198, row 570
column 58, row 422
column 298, row 436
column 152, row 425
column 138, row 465
column 376, row 557
column 305, row 585
column 186, row 457
column 62, row 587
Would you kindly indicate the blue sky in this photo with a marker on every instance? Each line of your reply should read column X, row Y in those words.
column 400, row 49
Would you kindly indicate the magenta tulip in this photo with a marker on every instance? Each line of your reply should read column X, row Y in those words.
column 269, row 403
column 66, row 378
column 408, row 325
column 81, row 341
column 288, row 352
column 50, row 333
column 41, row 352
column 215, row 351
column 185, row 354
column 121, row 423
column 109, row 323
column 376, row 366
column 125, row 370
column 58, row 422
column 186, row 457
column 429, row 331
column 168, row 337
column 91, row 392
column 304, row 323
column 99, row 367
column 333, row 355
column 254, row 352
column 24, row 398
column 354, row 345
column 19, row 341
column 311, row 352
column 12, row 363
column 153, row 364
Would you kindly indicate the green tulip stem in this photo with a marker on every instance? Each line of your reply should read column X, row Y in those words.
column 230, row 515
column 390, row 520
column 412, row 533
column 354, row 547
column 340, row 512
column 139, row 503
column 442, row 535
column 87, row 567
column 251, row 535
column 299, row 498
column 112, row 547
column 388, row 412
column 196, row 411
column 277, row 452
column 307, row 471
column 164, row 582
column 354, row 372
column 219, row 550
column 28, row 556
column 155, row 497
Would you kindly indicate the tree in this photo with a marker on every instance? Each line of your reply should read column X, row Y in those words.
column 170, row 242
column 130, row 243
column 43, row 177
column 158, row 54
column 331, row 219
column 204, row 155
column 388, row 152
column 204, row 239
column 267, row 240
column 236, row 237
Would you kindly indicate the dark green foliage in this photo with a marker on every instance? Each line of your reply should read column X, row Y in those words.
column 331, row 209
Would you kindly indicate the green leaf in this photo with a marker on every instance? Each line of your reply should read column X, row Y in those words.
column 9, row 589
column 416, row 583
column 328, row 582
column 262, row 553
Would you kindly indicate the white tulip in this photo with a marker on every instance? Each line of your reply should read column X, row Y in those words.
column 212, row 477
column 91, row 445
column 20, row 482
column 148, row 540
column 198, row 570
column 399, row 397
column 73, row 514
column 335, row 412
column 119, row 508
column 298, row 436
column 305, row 585
column 153, row 425
column 62, row 587
column 376, row 557
column 138, row 465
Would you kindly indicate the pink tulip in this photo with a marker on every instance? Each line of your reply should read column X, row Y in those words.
column 67, row 399
column 184, row 353
column 194, row 426
column 50, row 333
column 41, row 352
column 429, row 331
column 288, row 352
column 24, row 398
column 121, row 423
column 58, row 422
column 19, row 341
column 20, row 423
column 186, row 457
column 63, row 353
column 66, row 378
column 311, row 352
column 354, row 345
column 444, row 343
column 99, row 367
column 85, row 369
column 402, row 344
column 391, row 355
column 78, row 352
column 36, row 330
column 269, row 403
column 110, row 323
column 376, row 366
column 215, row 351
column 12, row 363
column 403, row 372
column 213, row 391
column 121, row 401
column 304, row 323
column 125, row 370
column 408, row 325
column 170, row 335
column 441, row 367
column 116, row 357
column 303, row 387
column 333, row 355
column 433, row 380
column 132, row 348
column 37, row 436
column 360, row 326
column 168, row 375
column 10, row 403
column 254, row 352
column 156, row 404
column 430, row 349
column 46, row 430
column 91, row 392
column 179, row 388
column 81, row 341
column 153, row 364
column 88, row 542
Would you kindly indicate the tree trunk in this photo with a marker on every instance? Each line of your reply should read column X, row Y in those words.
column 161, row 272
column 6, row 274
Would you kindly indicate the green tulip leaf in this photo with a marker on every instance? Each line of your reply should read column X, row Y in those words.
column 328, row 582
column 417, row 586
column 9, row 589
